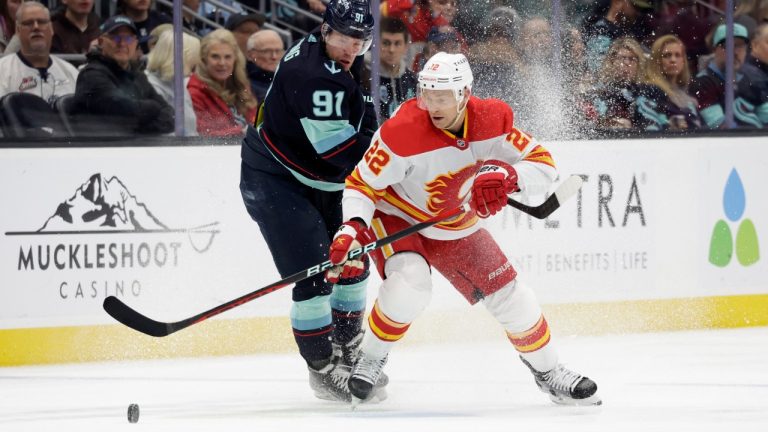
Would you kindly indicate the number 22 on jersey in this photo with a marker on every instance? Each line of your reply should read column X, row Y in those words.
column 376, row 158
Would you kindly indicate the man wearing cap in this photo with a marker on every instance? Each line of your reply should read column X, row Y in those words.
column 624, row 18
column 113, row 92
column 74, row 27
column 709, row 85
column 243, row 26
column 144, row 18
column 33, row 69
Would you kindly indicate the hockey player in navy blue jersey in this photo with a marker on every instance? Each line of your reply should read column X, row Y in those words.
column 314, row 126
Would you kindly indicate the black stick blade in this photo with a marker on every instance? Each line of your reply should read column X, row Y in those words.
column 124, row 314
column 564, row 192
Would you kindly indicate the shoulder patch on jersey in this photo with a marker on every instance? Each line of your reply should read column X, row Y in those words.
column 311, row 38
column 332, row 68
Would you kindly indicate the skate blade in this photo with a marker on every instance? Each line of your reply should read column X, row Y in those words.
column 355, row 402
column 374, row 398
column 593, row 400
column 329, row 397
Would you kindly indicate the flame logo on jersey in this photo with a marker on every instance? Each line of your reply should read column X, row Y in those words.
column 447, row 191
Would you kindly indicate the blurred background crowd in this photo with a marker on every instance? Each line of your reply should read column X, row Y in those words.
column 570, row 69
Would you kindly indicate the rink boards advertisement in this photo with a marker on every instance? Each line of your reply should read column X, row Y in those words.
column 667, row 229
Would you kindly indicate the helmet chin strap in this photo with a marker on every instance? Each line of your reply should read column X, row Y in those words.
column 459, row 116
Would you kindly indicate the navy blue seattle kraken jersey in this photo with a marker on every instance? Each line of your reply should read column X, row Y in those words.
column 313, row 119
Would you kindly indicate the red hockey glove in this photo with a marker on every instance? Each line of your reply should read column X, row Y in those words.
column 490, row 189
column 351, row 235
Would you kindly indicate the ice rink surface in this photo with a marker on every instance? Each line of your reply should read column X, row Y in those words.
column 684, row 381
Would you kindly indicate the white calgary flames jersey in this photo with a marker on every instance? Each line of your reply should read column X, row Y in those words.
column 415, row 171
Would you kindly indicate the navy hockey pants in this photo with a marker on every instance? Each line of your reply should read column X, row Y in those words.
column 297, row 221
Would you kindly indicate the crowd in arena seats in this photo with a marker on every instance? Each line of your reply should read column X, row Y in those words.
column 626, row 65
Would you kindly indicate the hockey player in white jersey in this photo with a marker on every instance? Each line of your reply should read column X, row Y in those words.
column 439, row 151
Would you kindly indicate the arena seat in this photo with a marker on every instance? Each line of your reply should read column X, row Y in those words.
column 65, row 106
column 24, row 115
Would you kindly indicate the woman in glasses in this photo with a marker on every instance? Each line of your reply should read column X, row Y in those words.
column 623, row 98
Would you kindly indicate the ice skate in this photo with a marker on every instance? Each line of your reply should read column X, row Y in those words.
column 329, row 382
column 365, row 382
column 347, row 355
column 566, row 387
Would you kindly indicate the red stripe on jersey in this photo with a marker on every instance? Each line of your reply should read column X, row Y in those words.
column 340, row 150
column 288, row 161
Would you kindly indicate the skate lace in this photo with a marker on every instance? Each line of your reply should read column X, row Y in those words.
column 348, row 352
column 339, row 377
column 563, row 379
column 370, row 368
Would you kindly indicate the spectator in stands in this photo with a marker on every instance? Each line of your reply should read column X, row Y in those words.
column 317, row 6
column 750, row 13
column 686, row 20
column 219, row 88
column 160, row 73
column 189, row 21
column 220, row 15
column 754, row 88
column 494, row 59
column 113, row 92
column 623, row 18
column 264, row 50
column 575, row 70
column 668, row 70
column 154, row 35
column 622, row 98
column 444, row 39
column 33, row 69
column 75, row 27
column 144, row 17
column 8, row 10
column 243, row 26
column 536, row 95
column 420, row 16
column 397, row 82
column 709, row 85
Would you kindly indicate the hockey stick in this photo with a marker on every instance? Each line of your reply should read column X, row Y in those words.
column 564, row 192
column 141, row 323
column 135, row 320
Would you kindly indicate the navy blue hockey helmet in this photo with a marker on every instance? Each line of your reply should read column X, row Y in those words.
column 352, row 18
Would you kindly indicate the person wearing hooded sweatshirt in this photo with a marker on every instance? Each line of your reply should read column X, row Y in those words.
column 112, row 91
column 397, row 83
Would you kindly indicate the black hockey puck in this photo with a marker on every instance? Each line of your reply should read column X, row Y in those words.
column 133, row 413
